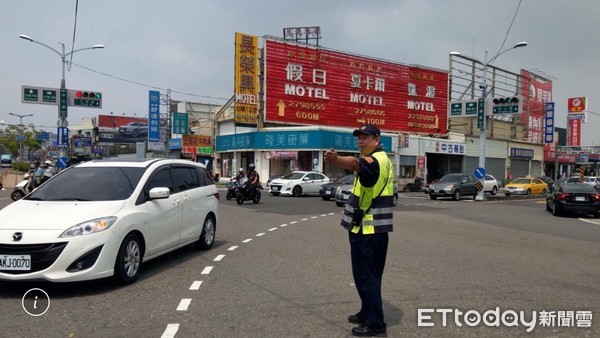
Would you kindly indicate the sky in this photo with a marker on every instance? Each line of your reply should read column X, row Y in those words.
column 188, row 45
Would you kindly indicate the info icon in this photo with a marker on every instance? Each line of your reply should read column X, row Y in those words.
column 35, row 302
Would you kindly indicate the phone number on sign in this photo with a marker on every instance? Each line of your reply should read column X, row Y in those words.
column 306, row 105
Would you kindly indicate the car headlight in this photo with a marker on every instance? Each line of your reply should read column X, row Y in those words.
column 89, row 227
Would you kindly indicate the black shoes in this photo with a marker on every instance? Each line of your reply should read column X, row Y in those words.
column 365, row 331
column 356, row 319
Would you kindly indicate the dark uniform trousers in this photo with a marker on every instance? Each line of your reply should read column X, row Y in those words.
column 368, row 254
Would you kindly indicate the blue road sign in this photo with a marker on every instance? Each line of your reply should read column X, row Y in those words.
column 479, row 173
column 62, row 162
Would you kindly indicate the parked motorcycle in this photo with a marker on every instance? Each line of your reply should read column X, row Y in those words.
column 247, row 192
column 232, row 189
column 20, row 190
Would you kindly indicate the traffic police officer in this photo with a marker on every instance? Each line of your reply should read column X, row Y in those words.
column 368, row 219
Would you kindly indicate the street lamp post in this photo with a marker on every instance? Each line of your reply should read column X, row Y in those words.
column 20, row 132
column 63, row 56
column 483, row 129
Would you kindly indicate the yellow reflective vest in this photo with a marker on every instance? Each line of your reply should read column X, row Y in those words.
column 377, row 201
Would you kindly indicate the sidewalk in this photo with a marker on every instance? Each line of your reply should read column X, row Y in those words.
column 11, row 179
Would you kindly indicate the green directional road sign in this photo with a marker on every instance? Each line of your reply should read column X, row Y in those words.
column 514, row 109
column 49, row 96
column 480, row 113
column 63, row 103
column 456, row 109
column 30, row 94
column 86, row 103
column 471, row 108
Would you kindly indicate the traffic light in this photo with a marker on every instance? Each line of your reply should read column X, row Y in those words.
column 82, row 98
column 506, row 105
column 506, row 100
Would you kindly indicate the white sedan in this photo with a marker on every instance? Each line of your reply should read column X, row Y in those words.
column 490, row 184
column 298, row 183
column 105, row 218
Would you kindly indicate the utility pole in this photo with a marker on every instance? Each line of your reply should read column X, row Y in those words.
column 21, row 134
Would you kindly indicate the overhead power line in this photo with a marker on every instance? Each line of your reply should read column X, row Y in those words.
column 508, row 31
column 148, row 86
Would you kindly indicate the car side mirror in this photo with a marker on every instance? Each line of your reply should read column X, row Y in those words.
column 306, row 179
column 159, row 193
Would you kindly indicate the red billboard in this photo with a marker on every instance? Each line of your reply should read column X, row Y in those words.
column 311, row 85
column 114, row 122
column 538, row 92
column 574, row 133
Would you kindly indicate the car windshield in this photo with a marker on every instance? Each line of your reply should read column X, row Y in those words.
column 577, row 188
column 293, row 176
column 451, row 179
column 522, row 181
column 90, row 184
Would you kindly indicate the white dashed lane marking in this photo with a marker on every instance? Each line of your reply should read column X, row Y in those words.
column 196, row 285
column 170, row 331
column 184, row 304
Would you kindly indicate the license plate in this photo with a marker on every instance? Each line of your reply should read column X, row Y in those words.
column 328, row 192
column 15, row 262
column 345, row 197
column 580, row 198
column 275, row 188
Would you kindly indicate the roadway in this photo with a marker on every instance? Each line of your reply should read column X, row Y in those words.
column 281, row 268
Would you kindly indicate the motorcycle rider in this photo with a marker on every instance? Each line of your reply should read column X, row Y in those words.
column 240, row 174
column 48, row 170
column 252, row 176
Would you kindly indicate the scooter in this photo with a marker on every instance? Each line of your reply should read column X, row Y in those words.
column 247, row 192
column 20, row 190
column 232, row 189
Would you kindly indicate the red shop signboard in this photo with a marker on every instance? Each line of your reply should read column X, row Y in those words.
column 312, row 85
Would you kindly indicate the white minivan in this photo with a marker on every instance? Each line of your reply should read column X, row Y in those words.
column 105, row 218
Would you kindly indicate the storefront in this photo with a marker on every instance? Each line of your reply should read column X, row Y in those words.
column 276, row 151
column 430, row 158
column 495, row 157
column 524, row 160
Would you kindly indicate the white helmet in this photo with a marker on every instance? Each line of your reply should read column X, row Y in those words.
column 241, row 170
column 48, row 162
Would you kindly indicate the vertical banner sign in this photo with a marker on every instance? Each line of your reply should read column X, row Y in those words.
column 62, row 137
column 480, row 113
column 180, row 123
column 246, row 80
column 154, row 116
column 574, row 133
column 536, row 94
column 63, row 103
column 549, row 123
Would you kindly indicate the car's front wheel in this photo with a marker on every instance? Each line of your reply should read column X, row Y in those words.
column 432, row 197
column 129, row 260
column 456, row 195
column 134, row 133
column 297, row 191
column 395, row 200
column 325, row 198
column 207, row 237
column 544, row 192
column 548, row 207
column 339, row 204
column 494, row 190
